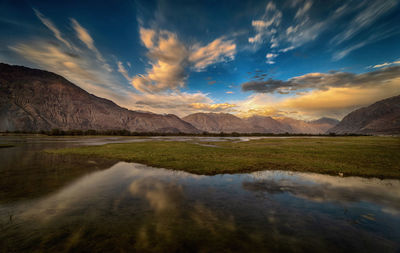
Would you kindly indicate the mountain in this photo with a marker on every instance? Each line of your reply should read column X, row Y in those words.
column 382, row 117
column 319, row 126
column 34, row 100
column 268, row 124
column 324, row 124
column 324, row 120
column 228, row 123
column 220, row 122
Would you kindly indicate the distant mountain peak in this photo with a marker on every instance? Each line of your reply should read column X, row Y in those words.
column 382, row 117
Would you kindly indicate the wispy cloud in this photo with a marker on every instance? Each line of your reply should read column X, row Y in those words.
column 373, row 10
column 386, row 64
column 270, row 58
column 123, row 71
column 216, row 51
column 267, row 25
column 380, row 33
column 47, row 22
column 281, row 37
column 85, row 37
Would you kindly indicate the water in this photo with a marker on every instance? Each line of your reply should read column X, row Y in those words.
column 67, row 204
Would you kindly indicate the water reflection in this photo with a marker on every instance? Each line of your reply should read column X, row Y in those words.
column 325, row 188
column 27, row 173
column 134, row 207
column 52, row 203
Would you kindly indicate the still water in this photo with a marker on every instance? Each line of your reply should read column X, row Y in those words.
column 51, row 203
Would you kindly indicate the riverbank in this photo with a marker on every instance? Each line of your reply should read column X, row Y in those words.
column 348, row 156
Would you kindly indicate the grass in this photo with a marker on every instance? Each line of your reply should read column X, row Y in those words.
column 357, row 156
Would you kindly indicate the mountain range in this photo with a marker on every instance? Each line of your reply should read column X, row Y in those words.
column 382, row 117
column 225, row 122
column 35, row 100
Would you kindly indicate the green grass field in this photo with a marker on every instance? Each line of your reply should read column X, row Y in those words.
column 357, row 156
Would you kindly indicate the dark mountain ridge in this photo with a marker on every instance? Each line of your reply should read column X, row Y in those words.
column 382, row 117
column 34, row 100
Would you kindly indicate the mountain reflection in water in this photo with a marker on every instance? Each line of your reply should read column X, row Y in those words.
column 66, row 204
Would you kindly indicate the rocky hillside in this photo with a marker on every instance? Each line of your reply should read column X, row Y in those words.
column 220, row 122
column 33, row 100
column 224, row 122
column 268, row 124
column 319, row 126
column 382, row 117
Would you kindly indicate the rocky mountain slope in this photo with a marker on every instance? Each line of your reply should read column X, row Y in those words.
column 382, row 117
column 33, row 100
column 220, row 122
column 224, row 122
column 319, row 126
column 268, row 124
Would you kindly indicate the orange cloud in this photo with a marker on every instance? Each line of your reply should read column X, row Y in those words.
column 169, row 58
column 212, row 107
column 216, row 51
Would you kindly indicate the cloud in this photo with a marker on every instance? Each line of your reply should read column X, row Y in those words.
column 229, row 92
column 373, row 11
column 338, row 101
column 333, row 102
column 86, row 68
column 323, row 81
column 267, row 25
column 270, row 58
column 303, row 27
column 281, row 37
column 326, row 95
column 85, row 37
column 179, row 103
column 212, row 107
column 217, row 51
column 303, row 10
column 47, row 22
column 73, row 62
column 170, row 58
column 379, row 34
column 147, row 36
column 386, row 64
column 344, row 52
column 81, row 70
column 284, row 50
column 123, row 71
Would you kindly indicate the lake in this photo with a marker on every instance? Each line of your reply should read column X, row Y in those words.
column 56, row 203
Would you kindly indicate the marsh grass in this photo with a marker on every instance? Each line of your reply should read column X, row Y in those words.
column 356, row 156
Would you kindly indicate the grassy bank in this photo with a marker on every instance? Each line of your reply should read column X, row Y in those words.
column 360, row 156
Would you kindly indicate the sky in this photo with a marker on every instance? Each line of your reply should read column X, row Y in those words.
column 303, row 59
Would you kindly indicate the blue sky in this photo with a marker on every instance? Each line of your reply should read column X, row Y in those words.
column 302, row 58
